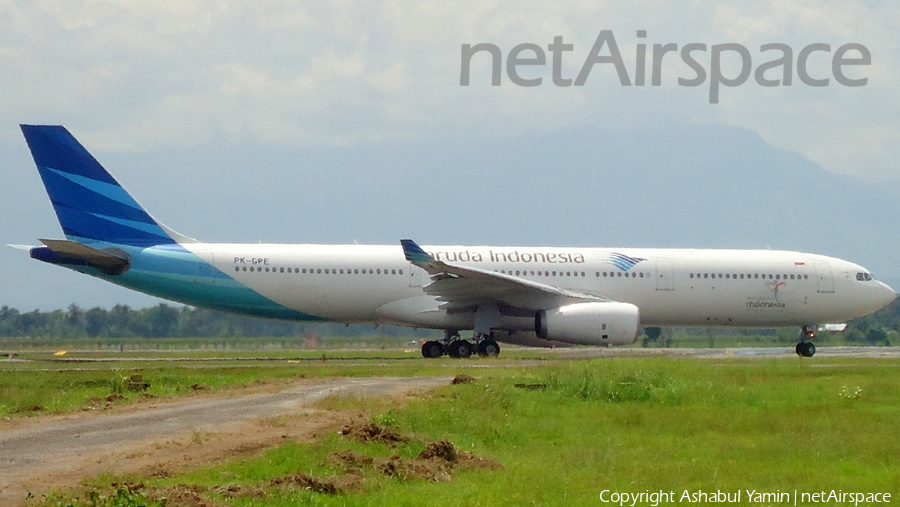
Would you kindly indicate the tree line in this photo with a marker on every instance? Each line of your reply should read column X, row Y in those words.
column 165, row 321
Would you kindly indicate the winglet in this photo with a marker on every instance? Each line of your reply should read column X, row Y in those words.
column 414, row 252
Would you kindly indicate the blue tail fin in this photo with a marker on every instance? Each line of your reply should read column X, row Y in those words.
column 89, row 203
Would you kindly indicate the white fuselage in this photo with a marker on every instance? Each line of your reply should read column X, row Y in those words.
column 749, row 288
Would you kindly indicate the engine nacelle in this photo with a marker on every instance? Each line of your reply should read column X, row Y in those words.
column 602, row 323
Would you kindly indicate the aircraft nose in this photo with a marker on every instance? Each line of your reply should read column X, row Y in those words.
column 887, row 293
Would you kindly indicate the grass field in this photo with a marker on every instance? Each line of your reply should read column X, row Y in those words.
column 564, row 431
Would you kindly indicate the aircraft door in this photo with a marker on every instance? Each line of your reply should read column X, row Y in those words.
column 664, row 280
column 415, row 276
column 823, row 277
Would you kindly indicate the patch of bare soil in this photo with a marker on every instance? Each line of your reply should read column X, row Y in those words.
column 462, row 379
column 371, row 432
column 177, row 450
column 435, row 463
column 170, row 456
column 182, row 495
column 307, row 482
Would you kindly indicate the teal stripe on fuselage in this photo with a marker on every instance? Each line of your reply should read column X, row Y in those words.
column 172, row 272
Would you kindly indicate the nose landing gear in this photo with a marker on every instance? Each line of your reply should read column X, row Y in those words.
column 806, row 348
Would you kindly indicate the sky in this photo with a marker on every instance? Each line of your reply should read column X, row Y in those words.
column 168, row 95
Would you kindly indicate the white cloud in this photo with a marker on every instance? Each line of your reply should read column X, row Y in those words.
column 141, row 74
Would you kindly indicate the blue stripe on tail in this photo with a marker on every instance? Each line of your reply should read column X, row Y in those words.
column 89, row 203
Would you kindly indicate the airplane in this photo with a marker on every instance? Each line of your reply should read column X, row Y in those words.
column 526, row 295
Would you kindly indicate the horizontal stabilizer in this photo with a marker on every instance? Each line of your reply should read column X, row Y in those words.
column 111, row 261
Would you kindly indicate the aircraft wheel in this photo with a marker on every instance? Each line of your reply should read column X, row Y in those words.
column 432, row 350
column 460, row 348
column 809, row 350
column 488, row 348
column 806, row 349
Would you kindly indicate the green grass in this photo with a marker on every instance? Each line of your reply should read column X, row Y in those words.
column 220, row 344
column 627, row 424
column 75, row 386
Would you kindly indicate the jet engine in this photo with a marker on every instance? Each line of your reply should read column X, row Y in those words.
column 600, row 323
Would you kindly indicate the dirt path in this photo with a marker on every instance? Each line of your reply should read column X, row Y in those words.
column 40, row 454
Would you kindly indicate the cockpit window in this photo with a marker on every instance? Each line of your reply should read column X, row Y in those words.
column 863, row 277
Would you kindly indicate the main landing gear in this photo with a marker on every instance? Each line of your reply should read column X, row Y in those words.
column 452, row 345
column 806, row 348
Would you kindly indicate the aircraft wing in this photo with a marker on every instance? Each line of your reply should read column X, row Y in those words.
column 462, row 287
